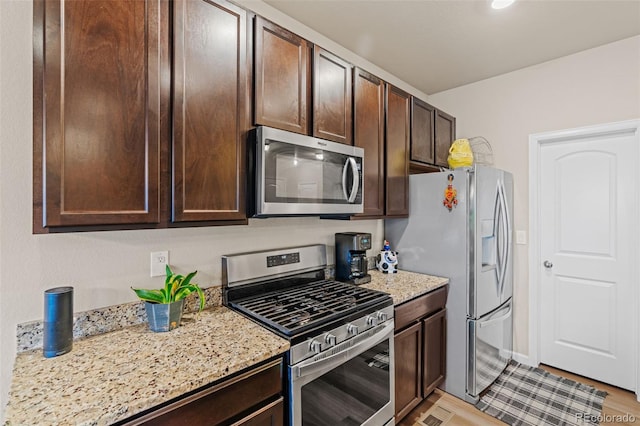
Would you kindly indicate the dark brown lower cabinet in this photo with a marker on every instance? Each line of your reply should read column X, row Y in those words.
column 434, row 331
column 408, row 369
column 252, row 398
column 419, row 349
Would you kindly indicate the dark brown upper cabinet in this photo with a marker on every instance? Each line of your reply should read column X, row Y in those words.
column 210, row 114
column 445, row 134
column 368, row 124
column 282, row 78
column 97, row 111
column 432, row 132
column 332, row 97
column 397, row 152
column 422, row 134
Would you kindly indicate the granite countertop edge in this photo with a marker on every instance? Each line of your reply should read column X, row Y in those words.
column 404, row 285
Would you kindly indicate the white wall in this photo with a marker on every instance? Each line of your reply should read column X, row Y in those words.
column 599, row 85
column 103, row 265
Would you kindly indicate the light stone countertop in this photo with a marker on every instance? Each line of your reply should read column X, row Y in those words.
column 112, row 376
column 404, row 285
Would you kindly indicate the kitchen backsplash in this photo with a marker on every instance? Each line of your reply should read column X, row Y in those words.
column 103, row 320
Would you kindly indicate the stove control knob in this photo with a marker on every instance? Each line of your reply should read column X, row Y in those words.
column 330, row 339
column 315, row 346
column 371, row 321
column 382, row 317
column 352, row 329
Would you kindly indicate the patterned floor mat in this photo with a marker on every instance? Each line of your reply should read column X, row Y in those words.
column 528, row 396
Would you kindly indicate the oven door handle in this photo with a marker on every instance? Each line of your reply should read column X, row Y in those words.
column 330, row 362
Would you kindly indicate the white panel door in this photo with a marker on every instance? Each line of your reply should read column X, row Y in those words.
column 586, row 242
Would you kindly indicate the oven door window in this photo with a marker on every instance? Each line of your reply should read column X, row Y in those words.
column 299, row 174
column 351, row 393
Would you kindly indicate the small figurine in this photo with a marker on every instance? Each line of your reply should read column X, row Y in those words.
column 387, row 260
column 450, row 195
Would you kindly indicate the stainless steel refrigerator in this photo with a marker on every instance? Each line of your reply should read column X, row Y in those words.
column 469, row 240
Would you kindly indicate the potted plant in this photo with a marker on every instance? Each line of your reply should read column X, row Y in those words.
column 164, row 306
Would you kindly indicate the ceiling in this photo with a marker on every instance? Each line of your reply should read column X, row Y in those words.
column 435, row 45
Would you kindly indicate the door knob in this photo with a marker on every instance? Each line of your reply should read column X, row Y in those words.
column 548, row 264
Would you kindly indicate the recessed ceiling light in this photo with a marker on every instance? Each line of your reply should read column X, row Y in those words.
column 501, row 4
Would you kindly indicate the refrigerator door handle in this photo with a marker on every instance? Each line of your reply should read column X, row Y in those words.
column 496, row 232
column 506, row 236
column 495, row 320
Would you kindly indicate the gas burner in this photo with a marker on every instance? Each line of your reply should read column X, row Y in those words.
column 349, row 301
column 275, row 304
column 301, row 318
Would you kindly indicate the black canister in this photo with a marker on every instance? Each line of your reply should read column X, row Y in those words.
column 58, row 321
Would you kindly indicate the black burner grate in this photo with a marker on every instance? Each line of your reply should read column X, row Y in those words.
column 296, row 309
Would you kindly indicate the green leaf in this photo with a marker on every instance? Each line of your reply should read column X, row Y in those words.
column 149, row 295
column 169, row 277
column 201, row 296
column 187, row 280
column 187, row 290
column 174, row 287
column 182, row 293
column 165, row 295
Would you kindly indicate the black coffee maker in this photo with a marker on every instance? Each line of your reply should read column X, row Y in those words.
column 351, row 257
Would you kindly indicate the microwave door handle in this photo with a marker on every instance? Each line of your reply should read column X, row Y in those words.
column 356, row 180
column 345, row 169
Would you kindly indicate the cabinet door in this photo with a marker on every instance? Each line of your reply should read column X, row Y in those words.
column 270, row 415
column 368, row 115
column 259, row 387
column 397, row 152
column 445, row 134
column 209, row 110
column 422, row 132
column 332, row 97
column 435, row 351
column 408, row 369
column 98, row 145
column 282, row 68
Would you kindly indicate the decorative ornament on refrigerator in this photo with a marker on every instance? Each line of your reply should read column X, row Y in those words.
column 450, row 195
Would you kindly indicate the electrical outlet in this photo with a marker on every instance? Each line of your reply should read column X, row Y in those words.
column 521, row 237
column 159, row 261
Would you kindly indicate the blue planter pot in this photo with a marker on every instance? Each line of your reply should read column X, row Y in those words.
column 164, row 316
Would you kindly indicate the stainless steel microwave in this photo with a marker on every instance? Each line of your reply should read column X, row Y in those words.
column 296, row 175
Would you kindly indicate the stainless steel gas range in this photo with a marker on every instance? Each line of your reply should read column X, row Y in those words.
column 340, row 365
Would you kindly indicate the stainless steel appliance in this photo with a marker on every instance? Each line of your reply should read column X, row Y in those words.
column 296, row 174
column 351, row 257
column 471, row 244
column 340, row 365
